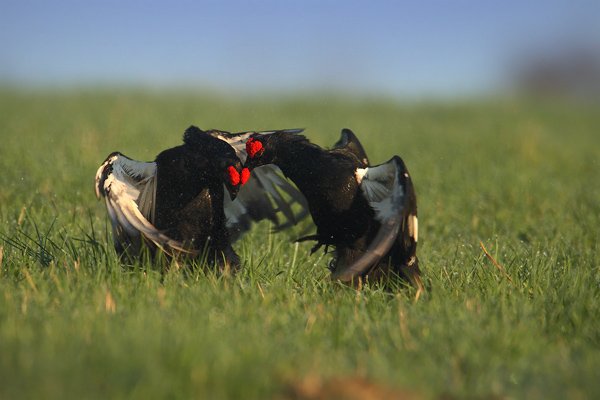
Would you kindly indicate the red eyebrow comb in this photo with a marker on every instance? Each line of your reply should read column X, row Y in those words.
column 234, row 176
column 253, row 146
column 245, row 175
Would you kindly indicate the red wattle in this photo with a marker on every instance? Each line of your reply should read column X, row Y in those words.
column 253, row 146
column 234, row 176
column 245, row 175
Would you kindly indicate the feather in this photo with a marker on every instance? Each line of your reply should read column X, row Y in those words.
column 384, row 188
column 350, row 143
column 255, row 202
column 129, row 188
column 238, row 140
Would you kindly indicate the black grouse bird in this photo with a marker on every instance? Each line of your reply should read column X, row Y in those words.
column 367, row 213
column 178, row 202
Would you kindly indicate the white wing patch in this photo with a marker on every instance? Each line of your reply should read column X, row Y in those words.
column 359, row 174
column 381, row 188
column 129, row 190
column 413, row 227
column 384, row 188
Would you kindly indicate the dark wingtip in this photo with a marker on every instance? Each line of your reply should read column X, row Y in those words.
column 293, row 130
column 350, row 142
column 346, row 137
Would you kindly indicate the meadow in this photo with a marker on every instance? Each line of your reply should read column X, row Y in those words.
column 519, row 176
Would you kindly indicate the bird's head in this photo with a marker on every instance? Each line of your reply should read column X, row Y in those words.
column 217, row 157
column 234, row 176
column 259, row 151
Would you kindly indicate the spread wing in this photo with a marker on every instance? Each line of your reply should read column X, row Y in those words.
column 238, row 140
column 350, row 143
column 262, row 197
column 390, row 192
column 129, row 190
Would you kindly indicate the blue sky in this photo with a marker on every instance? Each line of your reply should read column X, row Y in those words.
column 391, row 47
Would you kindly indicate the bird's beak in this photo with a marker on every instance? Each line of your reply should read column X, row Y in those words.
column 233, row 191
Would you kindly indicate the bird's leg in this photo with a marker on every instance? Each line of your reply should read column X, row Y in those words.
column 307, row 237
column 316, row 247
column 410, row 270
column 227, row 261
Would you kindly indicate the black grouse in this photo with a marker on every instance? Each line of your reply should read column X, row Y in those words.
column 178, row 202
column 367, row 213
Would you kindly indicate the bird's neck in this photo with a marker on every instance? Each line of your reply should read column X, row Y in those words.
column 299, row 160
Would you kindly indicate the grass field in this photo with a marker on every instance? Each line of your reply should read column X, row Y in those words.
column 519, row 176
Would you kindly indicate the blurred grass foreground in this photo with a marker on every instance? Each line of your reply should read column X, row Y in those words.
column 521, row 176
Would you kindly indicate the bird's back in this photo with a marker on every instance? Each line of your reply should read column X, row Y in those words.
column 189, row 201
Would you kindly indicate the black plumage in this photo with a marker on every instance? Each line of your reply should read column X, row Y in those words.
column 178, row 202
column 367, row 213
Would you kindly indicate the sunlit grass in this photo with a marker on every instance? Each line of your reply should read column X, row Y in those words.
column 521, row 177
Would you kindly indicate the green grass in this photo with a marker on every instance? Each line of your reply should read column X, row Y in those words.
column 520, row 176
